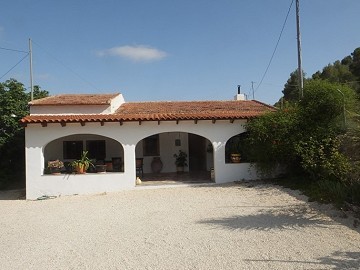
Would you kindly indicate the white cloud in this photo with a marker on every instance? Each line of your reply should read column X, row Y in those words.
column 135, row 53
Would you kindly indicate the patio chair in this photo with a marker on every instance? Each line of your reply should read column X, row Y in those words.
column 139, row 167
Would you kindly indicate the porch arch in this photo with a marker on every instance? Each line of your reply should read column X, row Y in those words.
column 102, row 149
column 165, row 144
column 236, row 146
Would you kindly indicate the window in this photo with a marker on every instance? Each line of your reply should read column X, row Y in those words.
column 151, row 146
column 96, row 149
column 72, row 149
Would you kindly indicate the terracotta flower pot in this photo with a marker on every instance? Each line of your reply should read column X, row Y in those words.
column 156, row 165
column 235, row 158
column 55, row 171
column 80, row 169
column 179, row 169
column 101, row 168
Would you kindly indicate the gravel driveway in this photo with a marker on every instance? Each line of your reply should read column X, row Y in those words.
column 247, row 226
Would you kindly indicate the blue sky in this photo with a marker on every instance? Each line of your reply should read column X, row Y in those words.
column 152, row 50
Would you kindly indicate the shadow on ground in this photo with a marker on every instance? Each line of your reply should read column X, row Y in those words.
column 272, row 219
column 342, row 260
column 337, row 260
column 9, row 195
column 348, row 218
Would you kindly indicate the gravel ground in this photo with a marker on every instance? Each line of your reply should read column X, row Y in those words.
column 246, row 226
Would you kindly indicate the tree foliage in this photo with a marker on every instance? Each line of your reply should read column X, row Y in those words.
column 322, row 145
column 291, row 88
column 303, row 139
column 13, row 106
column 346, row 71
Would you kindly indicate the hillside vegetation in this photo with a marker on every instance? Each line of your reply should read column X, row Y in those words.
column 315, row 141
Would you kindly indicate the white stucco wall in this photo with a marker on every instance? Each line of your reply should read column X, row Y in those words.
column 128, row 134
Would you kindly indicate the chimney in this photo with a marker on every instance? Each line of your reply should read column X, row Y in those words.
column 239, row 96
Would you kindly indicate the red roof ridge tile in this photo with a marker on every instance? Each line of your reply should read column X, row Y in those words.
column 264, row 104
column 74, row 99
column 188, row 101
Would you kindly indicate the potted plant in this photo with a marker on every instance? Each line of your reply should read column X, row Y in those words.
column 81, row 165
column 235, row 150
column 55, row 166
column 100, row 166
column 180, row 161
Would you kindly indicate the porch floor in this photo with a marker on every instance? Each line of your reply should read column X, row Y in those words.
column 157, row 179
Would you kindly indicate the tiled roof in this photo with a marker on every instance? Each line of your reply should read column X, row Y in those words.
column 165, row 111
column 74, row 99
column 192, row 110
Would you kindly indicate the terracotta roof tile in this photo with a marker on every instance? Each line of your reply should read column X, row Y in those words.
column 74, row 99
column 165, row 111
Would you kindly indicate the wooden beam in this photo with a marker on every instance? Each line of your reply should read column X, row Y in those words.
column 44, row 124
column 158, row 122
column 102, row 123
column 139, row 122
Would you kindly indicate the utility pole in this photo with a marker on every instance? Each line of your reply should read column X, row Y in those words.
column 252, row 88
column 31, row 72
column 300, row 73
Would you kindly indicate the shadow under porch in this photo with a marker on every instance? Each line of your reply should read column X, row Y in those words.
column 197, row 177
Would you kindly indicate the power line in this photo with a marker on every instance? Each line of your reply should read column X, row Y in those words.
column 14, row 66
column 13, row 50
column 65, row 66
column 277, row 43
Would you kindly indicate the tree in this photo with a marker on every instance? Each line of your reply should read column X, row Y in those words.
column 346, row 71
column 336, row 73
column 291, row 87
column 355, row 64
column 291, row 90
column 13, row 106
column 303, row 138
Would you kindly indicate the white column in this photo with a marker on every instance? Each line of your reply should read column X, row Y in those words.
column 129, row 162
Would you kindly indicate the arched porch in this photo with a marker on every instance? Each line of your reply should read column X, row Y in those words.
column 104, row 152
column 157, row 155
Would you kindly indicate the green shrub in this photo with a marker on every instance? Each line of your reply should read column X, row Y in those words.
column 334, row 191
column 303, row 138
column 321, row 159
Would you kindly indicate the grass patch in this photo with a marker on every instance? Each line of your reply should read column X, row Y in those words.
column 324, row 191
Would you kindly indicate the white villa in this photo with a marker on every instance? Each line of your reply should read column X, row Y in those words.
column 117, row 133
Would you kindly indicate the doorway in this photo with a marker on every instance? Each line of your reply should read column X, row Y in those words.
column 197, row 153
